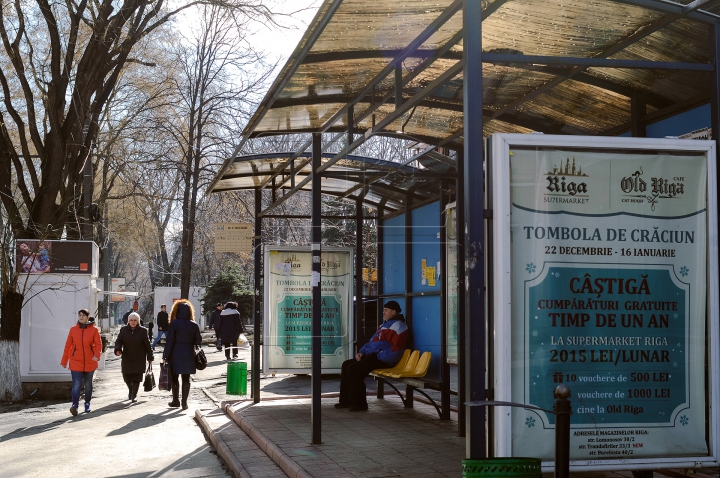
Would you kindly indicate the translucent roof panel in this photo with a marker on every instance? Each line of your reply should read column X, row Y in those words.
column 350, row 52
column 379, row 182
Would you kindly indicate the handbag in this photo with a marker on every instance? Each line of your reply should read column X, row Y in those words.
column 164, row 382
column 149, row 382
column 200, row 358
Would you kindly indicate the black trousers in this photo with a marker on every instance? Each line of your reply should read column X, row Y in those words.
column 352, row 379
column 227, row 346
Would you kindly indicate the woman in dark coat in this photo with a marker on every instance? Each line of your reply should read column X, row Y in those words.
column 134, row 347
column 182, row 337
column 229, row 327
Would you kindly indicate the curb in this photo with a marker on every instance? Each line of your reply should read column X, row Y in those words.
column 221, row 447
column 282, row 460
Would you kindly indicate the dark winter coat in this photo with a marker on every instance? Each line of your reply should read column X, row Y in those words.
column 135, row 347
column 162, row 321
column 182, row 336
column 229, row 326
column 214, row 318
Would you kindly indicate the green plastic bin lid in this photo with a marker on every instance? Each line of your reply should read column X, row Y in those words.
column 514, row 467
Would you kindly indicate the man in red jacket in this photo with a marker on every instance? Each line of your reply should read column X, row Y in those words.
column 384, row 350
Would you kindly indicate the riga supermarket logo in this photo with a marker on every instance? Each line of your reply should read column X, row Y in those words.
column 566, row 184
column 637, row 190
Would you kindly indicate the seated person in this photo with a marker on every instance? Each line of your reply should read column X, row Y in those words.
column 384, row 350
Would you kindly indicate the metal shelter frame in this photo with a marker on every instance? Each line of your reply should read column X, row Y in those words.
column 442, row 69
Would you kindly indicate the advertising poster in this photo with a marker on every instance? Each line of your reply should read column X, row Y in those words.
column 288, row 311
column 59, row 257
column 608, row 267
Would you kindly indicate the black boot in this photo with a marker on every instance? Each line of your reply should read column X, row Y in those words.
column 135, row 387
column 175, row 392
column 185, row 394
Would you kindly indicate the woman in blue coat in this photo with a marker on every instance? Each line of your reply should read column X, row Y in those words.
column 182, row 337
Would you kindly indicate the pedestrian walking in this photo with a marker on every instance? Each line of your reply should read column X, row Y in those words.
column 183, row 335
column 134, row 346
column 229, row 327
column 214, row 316
column 135, row 307
column 162, row 324
column 83, row 348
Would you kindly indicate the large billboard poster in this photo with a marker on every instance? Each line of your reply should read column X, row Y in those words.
column 609, row 285
column 59, row 257
column 288, row 309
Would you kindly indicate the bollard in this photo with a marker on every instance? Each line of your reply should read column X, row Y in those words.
column 563, row 410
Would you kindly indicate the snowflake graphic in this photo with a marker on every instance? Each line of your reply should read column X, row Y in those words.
column 684, row 420
column 530, row 422
column 675, row 316
column 530, row 268
column 535, row 333
column 684, row 271
column 674, row 364
column 556, row 274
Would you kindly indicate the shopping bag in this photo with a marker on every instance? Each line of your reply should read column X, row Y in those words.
column 243, row 342
column 200, row 358
column 164, row 382
column 149, row 382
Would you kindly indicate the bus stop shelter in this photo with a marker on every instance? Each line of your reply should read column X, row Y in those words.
column 447, row 74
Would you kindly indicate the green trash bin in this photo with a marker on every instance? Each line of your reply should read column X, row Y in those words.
column 515, row 467
column 236, row 378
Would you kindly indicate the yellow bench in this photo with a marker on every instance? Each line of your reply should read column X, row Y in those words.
column 410, row 370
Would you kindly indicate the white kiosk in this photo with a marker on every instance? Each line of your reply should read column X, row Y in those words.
column 61, row 279
column 168, row 295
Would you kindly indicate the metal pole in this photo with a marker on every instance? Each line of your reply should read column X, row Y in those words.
column 316, row 291
column 563, row 410
column 408, row 263
column 380, row 268
column 359, row 306
column 258, row 303
column 460, row 256
column 638, row 110
column 475, row 229
column 444, row 366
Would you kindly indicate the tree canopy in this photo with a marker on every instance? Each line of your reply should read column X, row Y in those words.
column 230, row 285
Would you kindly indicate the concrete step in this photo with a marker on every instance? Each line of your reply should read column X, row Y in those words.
column 240, row 453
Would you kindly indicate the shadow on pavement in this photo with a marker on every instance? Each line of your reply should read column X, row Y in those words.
column 185, row 463
column 146, row 421
column 30, row 431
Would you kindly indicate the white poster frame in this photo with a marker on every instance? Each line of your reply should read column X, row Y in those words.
column 267, row 303
column 501, row 145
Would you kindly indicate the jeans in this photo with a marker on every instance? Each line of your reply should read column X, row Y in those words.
column 77, row 379
column 160, row 334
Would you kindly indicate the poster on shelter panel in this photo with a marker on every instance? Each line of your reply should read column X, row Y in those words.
column 288, row 309
column 609, row 297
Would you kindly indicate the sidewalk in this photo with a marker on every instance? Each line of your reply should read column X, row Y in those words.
column 271, row 439
column 145, row 439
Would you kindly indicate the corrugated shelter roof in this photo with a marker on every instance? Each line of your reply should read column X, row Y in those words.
column 351, row 43
column 552, row 66
column 378, row 182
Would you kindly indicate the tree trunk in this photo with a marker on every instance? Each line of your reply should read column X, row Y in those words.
column 10, row 384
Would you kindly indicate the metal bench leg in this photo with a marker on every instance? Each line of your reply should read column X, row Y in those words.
column 393, row 387
column 380, row 387
column 431, row 401
column 409, row 396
